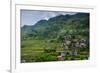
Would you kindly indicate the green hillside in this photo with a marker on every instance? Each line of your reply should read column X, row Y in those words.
column 45, row 40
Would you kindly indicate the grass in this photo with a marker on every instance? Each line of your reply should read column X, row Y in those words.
column 33, row 51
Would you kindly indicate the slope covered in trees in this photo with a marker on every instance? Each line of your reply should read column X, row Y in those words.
column 57, row 34
column 56, row 26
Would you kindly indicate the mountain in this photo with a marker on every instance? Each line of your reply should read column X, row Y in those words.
column 55, row 27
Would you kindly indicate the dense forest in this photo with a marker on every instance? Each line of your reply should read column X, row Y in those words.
column 64, row 37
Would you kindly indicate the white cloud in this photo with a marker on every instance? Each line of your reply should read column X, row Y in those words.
column 45, row 18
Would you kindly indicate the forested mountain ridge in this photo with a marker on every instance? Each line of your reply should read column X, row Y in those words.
column 59, row 25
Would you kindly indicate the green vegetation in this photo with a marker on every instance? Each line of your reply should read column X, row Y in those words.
column 48, row 39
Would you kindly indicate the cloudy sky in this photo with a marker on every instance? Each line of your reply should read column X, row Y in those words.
column 30, row 17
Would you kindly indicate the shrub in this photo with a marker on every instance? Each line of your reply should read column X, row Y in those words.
column 45, row 57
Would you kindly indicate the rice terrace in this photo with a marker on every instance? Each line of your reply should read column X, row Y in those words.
column 54, row 36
